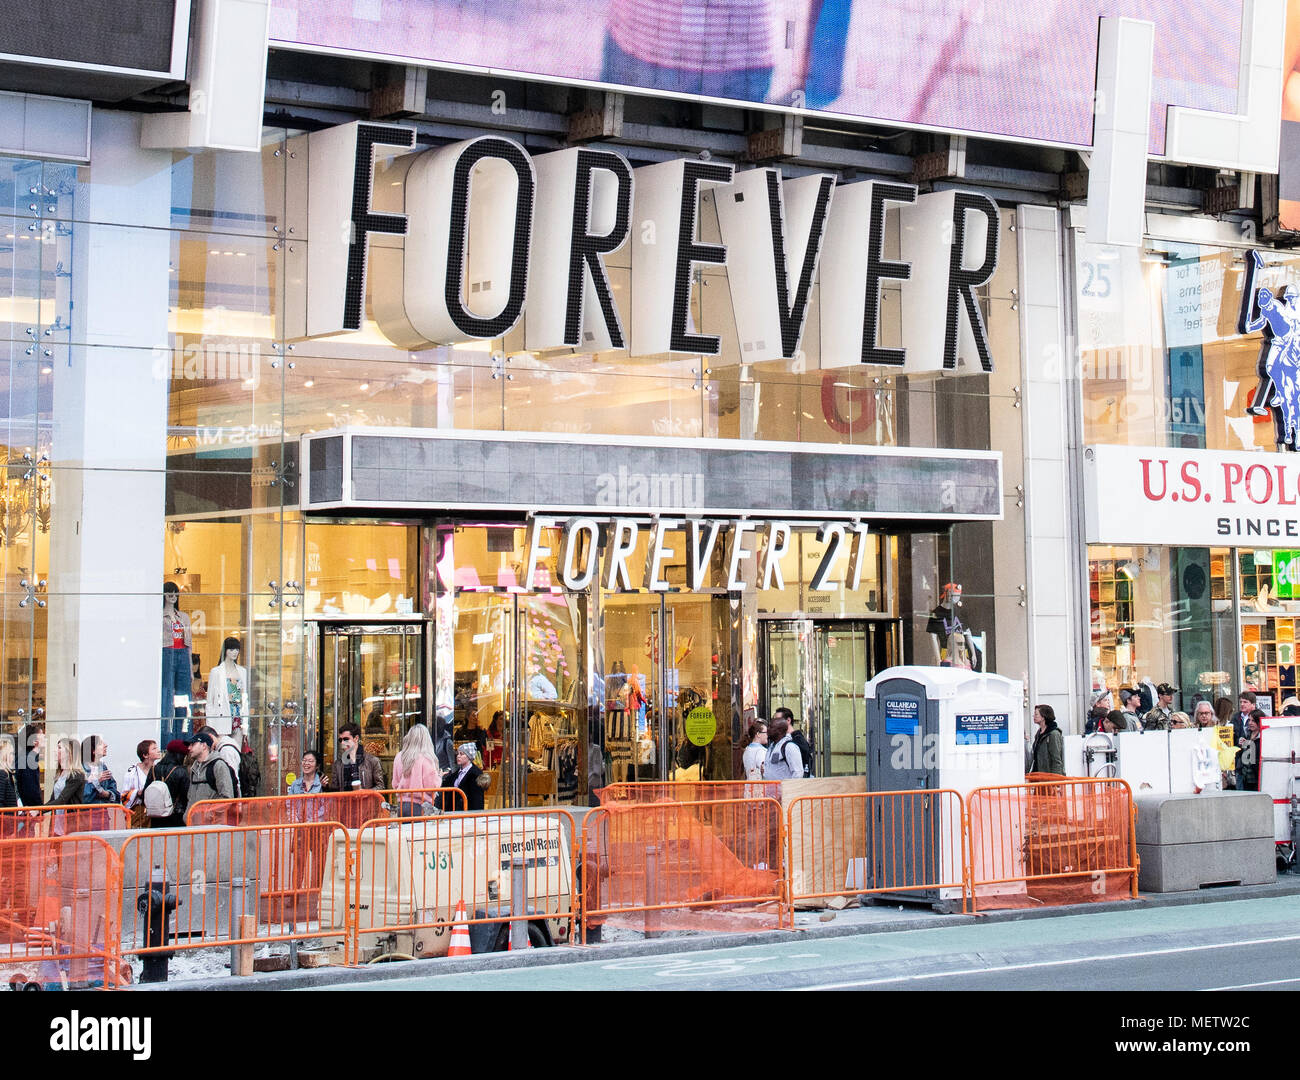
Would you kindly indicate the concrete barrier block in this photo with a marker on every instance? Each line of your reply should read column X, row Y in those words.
column 1198, row 819
column 1184, row 867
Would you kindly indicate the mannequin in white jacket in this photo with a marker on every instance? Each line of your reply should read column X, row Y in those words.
column 227, row 689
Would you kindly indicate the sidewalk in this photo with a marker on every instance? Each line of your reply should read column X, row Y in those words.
column 851, row 921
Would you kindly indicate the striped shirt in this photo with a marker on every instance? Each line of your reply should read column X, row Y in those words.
column 695, row 35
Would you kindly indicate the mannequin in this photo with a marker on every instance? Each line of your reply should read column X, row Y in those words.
column 228, row 687
column 954, row 643
column 177, row 641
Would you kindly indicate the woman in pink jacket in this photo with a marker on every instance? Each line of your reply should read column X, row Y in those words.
column 416, row 769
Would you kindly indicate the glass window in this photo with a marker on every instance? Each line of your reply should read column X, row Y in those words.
column 1162, row 363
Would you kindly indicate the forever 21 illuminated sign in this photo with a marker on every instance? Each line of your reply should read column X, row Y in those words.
column 488, row 235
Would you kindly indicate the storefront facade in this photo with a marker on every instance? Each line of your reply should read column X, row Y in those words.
column 1191, row 488
column 588, row 423
column 399, row 593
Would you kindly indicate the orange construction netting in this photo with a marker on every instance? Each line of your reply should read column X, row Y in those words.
column 60, row 910
column 709, row 865
column 350, row 808
column 649, row 791
column 32, row 822
column 1052, row 841
column 876, row 842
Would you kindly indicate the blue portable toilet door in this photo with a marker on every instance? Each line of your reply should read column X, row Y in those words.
column 903, row 830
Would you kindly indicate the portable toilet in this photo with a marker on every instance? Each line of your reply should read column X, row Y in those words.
column 931, row 728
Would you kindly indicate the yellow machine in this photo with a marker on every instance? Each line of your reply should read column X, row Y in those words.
column 415, row 873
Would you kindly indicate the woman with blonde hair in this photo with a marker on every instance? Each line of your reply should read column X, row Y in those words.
column 416, row 769
column 69, row 782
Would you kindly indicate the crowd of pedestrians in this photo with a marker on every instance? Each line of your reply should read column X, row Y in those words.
column 1238, row 755
column 158, row 788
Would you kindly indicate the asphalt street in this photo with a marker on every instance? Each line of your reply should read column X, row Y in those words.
column 1232, row 945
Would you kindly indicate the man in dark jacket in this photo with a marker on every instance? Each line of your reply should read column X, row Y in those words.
column 172, row 769
column 354, row 769
column 31, row 744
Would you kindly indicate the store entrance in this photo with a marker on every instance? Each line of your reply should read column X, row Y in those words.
column 372, row 676
column 517, row 663
column 818, row 669
column 666, row 657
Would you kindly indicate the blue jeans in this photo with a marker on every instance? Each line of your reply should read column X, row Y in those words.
column 176, row 679
column 750, row 84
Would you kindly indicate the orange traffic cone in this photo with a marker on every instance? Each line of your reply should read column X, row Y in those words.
column 510, row 940
column 459, row 933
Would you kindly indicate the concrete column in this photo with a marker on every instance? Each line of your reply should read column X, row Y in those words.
column 109, row 451
column 1058, row 614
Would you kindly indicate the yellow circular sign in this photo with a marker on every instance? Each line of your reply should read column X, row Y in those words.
column 701, row 725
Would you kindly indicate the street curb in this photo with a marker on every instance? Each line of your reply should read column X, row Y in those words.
column 575, row 954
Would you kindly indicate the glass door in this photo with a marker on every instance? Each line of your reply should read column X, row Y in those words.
column 634, row 738
column 483, row 642
column 790, row 673
column 519, row 694
column 371, row 676
column 845, row 658
column 819, row 670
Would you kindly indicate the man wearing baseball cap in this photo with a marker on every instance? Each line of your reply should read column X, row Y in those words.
column 1158, row 718
column 210, row 776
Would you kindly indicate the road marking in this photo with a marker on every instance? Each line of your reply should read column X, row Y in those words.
column 1046, row 964
column 669, row 967
column 1248, row 986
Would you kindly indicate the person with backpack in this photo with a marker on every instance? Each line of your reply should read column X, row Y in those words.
column 784, row 762
column 167, row 788
column 228, row 749
column 797, row 737
column 210, row 776
column 133, row 784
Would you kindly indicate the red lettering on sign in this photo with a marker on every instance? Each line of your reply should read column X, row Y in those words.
column 855, row 395
column 1281, row 487
column 1231, row 478
column 1146, row 479
column 1191, row 481
column 1253, row 489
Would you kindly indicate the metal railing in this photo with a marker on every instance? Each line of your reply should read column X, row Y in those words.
column 879, row 842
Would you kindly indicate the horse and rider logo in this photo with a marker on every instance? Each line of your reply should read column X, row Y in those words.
column 1278, row 391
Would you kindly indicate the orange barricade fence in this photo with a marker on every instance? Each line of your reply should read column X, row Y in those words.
column 649, row 791
column 60, row 904
column 709, row 865
column 877, row 842
column 352, row 808
column 1062, row 841
column 215, row 877
column 423, row 802
column 31, row 822
column 410, row 877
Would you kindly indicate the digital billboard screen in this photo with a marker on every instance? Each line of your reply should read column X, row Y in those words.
column 1022, row 69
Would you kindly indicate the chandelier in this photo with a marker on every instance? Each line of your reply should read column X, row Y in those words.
column 24, row 499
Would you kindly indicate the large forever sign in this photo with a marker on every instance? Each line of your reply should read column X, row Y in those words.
column 485, row 231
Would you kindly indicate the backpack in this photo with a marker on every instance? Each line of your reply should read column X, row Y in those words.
column 236, row 769
column 778, row 767
column 210, row 776
column 805, row 751
column 158, row 797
